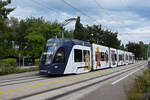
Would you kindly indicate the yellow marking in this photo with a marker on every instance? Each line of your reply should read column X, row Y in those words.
column 65, row 79
column 0, row 99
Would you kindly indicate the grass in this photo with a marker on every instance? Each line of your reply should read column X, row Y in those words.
column 140, row 90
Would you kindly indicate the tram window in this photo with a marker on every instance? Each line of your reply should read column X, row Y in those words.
column 77, row 55
column 115, row 56
column 86, row 54
column 126, row 57
column 60, row 56
column 130, row 57
column 123, row 57
column 102, row 55
column 120, row 57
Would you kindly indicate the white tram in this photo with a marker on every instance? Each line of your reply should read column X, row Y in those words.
column 71, row 56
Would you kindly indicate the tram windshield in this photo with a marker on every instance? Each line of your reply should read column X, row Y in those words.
column 47, row 55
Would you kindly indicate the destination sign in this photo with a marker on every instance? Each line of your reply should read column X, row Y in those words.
column 51, row 44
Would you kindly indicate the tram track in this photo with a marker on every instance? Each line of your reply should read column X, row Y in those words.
column 87, row 86
column 27, row 78
column 120, row 72
column 23, row 82
column 5, row 81
column 24, row 76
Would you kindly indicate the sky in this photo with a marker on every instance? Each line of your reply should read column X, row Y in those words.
column 130, row 18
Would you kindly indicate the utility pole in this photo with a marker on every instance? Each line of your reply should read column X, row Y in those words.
column 66, row 22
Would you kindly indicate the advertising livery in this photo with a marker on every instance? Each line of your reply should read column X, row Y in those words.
column 71, row 56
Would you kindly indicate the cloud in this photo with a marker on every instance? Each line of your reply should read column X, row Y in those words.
column 116, row 15
column 138, row 34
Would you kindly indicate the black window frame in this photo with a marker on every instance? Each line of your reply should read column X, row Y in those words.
column 127, row 57
column 84, row 53
column 120, row 57
column 115, row 56
column 102, row 56
column 78, row 55
column 58, row 50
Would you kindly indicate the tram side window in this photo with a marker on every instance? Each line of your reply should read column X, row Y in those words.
column 113, row 57
column 120, row 57
column 130, row 57
column 77, row 55
column 60, row 56
column 126, row 57
column 102, row 55
column 123, row 57
column 86, row 54
column 116, row 57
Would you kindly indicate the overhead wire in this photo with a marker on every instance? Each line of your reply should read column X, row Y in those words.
column 42, row 5
column 84, row 14
column 77, row 9
column 47, row 7
column 101, row 7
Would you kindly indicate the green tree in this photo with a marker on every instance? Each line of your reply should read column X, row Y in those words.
column 3, row 10
column 37, row 27
column 80, row 32
column 143, row 49
column 139, row 49
column 103, row 37
column 35, row 45
column 122, row 47
column 6, row 35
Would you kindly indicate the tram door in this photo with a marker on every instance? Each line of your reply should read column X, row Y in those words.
column 82, row 58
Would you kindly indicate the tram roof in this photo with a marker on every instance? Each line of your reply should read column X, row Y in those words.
column 69, row 41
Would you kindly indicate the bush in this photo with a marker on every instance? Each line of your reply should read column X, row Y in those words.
column 8, row 66
column 37, row 61
column 140, row 90
column 11, row 70
column 8, row 62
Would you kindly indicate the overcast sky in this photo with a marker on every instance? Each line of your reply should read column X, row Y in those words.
column 130, row 18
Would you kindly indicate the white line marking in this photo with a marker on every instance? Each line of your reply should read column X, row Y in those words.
column 126, row 76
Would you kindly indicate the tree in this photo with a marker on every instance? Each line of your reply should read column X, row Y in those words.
column 80, row 32
column 95, row 34
column 3, row 10
column 103, row 37
column 32, row 33
column 122, row 47
column 139, row 49
column 35, row 45
column 143, row 49
column 6, row 35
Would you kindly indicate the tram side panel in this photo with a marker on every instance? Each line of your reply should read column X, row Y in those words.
column 126, row 58
column 79, row 60
column 113, row 57
column 120, row 57
column 100, row 56
column 133, row 58
column 130, row 58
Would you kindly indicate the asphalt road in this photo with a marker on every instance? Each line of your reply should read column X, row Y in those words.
column 107, row 84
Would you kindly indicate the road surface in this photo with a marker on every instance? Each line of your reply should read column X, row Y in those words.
column 107, row 84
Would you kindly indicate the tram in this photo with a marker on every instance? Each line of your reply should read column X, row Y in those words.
column 71, row 56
